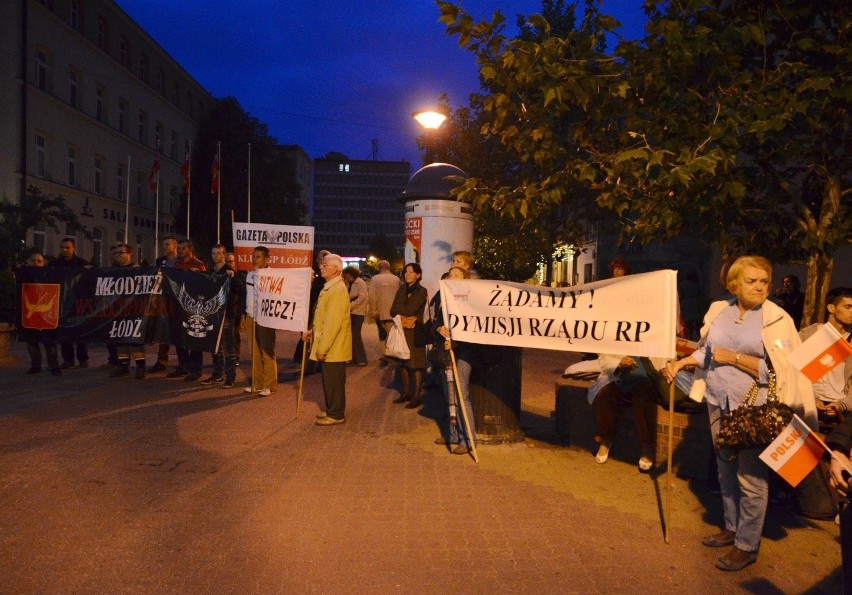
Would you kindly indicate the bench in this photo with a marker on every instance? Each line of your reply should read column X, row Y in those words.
column 574, row 418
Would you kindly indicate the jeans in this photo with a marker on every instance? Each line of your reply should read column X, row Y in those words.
column 458, row 435
column 225, row 360
column 745, row 490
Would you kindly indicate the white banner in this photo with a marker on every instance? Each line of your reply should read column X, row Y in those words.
column 290, row 246
column 283, row 298
column 633, row 315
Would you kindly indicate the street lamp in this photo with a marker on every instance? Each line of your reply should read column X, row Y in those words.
column 430, row 119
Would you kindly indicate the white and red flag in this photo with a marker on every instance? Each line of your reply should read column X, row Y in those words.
column 822, row 351
column 795, row 452
column 214, row 175
column 154, row 176
column 184, row 171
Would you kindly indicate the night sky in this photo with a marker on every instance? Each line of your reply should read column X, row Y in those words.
column 332, row 75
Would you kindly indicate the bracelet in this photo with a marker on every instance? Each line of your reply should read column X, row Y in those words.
column 737, row 360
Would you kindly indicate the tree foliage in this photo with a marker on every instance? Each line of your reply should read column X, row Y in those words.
column 274, row 194
column 729, row 119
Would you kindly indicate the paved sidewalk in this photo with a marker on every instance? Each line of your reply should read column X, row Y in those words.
column 161, row 486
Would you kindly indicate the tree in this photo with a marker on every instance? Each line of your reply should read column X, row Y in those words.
column 274, row 195
column 728, row 120
column 382, row 248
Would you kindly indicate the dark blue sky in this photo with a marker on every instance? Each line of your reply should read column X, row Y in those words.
column 331, row 75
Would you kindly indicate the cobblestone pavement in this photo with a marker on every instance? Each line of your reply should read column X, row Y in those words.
column 161, row 486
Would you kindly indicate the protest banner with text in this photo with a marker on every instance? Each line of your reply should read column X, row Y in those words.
column 290, row 246
column 283, row 298
column 633, row 315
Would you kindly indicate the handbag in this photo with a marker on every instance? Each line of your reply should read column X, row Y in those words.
column 396, row 345
column 748, row 426
column 422, row 333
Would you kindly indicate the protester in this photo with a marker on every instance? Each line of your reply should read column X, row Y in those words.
column 383, row 288
column 464, row 260
column 112, row 351
column 264, row 367
column 239, row 279
column 317, row 283
column 409, row 304
column 128, row 351
column 441, row 359
column 36, row 259
column 189, row 360
column 68, row 259
column 833, row 391
column 168, row 259
column 224, row 359
column 620, row 378
column 742, row 339
column 790, row 297
column 358, row 309
column 331, row 336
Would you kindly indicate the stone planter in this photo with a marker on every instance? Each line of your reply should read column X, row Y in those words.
column 6, row 358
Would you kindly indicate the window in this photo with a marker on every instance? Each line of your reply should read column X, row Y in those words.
column 158, row 138
column 72, row 88
column 143, row 68
column 124, row 52
column 119, row 235
column 119, row 182
column 41, row 159
column 173, row 145
column 41, row 70
column 102, row 34
column 97, row 181
column 97, row 246
column 161, row 81
column 344, row 167
column 40, row 237
column 143, row 127
column 122, row 116
column 72, row 167
column 76, row 21
column 189, row 103
column 140, row 183
column 139, row 240
column 176, row 93
column 173, row 200
column 100, row 113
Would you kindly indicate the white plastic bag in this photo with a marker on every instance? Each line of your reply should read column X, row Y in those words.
column 396, row 345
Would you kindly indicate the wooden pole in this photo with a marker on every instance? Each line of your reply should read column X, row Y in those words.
column 668, row 507
column 301, row 377
column 460, row 397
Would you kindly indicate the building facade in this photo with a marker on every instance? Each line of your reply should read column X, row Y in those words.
column 354, row 201
column 301, row 168
column 91, row 101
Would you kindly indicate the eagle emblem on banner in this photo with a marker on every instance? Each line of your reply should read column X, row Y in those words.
column 199, row 310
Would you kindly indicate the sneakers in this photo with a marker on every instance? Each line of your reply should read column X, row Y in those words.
column 646, row 461
column 228, row 384
column 265, row 392
column 119, row 371
column 322, row 414
column 158, row 367
column 140, row 372
column 213, row 379
column 603, row 453
column 330, row 421
column 179, row 373
column 459, row 449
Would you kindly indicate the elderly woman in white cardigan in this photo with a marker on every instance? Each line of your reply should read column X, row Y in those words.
column 741, row 340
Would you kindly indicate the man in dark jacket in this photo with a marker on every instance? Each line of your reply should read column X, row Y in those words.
column 68, row 259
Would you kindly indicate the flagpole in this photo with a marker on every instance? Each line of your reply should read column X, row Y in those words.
column 189, row 190
column 668, row 510
column 157, row 207
column 248, row 217
column 127, row 204
column 219, row 194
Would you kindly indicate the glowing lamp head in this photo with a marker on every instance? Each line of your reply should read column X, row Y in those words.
column 430, row 119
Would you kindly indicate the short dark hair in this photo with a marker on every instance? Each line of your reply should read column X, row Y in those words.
column 352, row 271
column 72, row 240
column 222, row 246
column 414, row 267
column 836, row 294
column 187, row 242
column 263, row 250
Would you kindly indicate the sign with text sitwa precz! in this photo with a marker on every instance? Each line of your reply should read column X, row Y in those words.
column 634, row 315
column 283, row 298
column 290, row 246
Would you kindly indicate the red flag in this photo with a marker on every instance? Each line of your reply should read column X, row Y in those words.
column 184, row 171
column 154, row 176
column 214, row 175
column 822, row 351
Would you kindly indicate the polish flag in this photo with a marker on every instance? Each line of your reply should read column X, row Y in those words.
column 214, row 176
column 821, row 352
column 184, row 171
column 154, row 176
column 795, row 452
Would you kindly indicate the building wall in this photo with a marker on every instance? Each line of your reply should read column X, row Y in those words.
column 356, row 200
column 94, row 89
column 302, row 168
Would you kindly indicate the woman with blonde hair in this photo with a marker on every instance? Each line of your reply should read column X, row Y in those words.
column 744, row 339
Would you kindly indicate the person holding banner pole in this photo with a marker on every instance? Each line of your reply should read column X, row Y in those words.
column 224, row 358
column 264, row 367
column 742, row 338
column 410, row 304
column 189, row 360
column 331, row 340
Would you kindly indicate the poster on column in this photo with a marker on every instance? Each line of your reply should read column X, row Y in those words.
column 290, row 246
column 413, row 239
column 283, row 298
column 634, row 315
